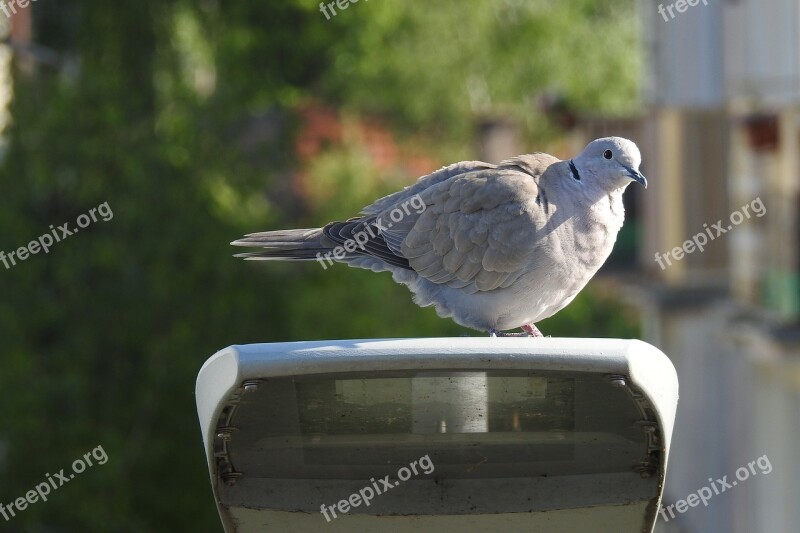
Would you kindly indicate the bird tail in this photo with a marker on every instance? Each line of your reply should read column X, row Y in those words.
column 284, row 245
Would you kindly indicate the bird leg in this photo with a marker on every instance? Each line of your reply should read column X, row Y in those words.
column 529, row 330
column 532, row 330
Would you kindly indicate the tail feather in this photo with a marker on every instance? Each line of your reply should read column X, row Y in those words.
column 284, row 245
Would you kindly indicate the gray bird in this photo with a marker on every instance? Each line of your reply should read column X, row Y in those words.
column 494, row 247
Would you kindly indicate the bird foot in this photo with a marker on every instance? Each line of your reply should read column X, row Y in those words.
column 529, row 330
column 532, row 330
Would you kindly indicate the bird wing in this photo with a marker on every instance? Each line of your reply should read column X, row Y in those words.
column 425, row 182
column 375, row 250
column 479, row 230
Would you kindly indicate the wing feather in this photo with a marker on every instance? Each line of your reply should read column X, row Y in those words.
column 477, row 228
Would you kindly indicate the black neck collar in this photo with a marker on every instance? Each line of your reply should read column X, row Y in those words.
column 574, row 170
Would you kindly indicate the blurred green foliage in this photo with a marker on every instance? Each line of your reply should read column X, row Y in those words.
column 150, row 111
column 438, row 66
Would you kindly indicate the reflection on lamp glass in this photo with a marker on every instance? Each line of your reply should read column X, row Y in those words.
column 431, row 403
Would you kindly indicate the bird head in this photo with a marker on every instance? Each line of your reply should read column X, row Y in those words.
column 610, row 162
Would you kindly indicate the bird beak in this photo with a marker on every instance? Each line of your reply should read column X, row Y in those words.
column 637, row 176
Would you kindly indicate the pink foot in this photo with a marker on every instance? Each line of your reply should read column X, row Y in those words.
column 532, row 330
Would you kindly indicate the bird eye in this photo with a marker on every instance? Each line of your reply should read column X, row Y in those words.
column 608, row 154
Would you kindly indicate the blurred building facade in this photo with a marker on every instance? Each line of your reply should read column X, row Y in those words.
column 721, row 133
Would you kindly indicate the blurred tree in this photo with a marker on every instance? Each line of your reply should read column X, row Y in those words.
column 180, row 116
column 438, row 66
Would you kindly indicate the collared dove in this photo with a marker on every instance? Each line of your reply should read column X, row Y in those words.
column 494, row 247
